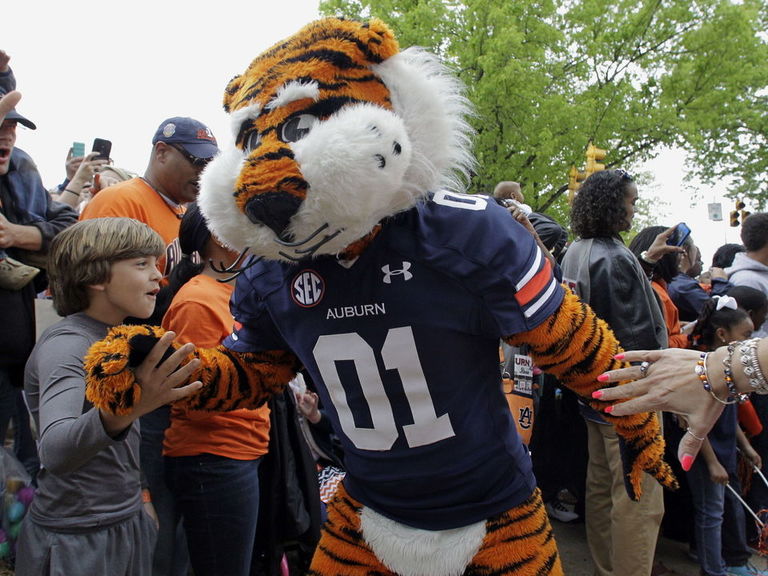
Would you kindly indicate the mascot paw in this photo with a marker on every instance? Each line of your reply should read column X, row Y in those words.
column 110, row 383
column 642, row 451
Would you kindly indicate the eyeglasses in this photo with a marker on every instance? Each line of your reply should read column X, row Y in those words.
column 623, row 174
column 194, row 160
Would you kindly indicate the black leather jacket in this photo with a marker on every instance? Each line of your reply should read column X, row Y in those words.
column 606, row 275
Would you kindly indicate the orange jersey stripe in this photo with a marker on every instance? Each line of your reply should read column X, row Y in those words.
column 535, row 285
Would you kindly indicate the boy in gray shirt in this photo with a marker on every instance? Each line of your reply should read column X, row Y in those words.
column 88, row 516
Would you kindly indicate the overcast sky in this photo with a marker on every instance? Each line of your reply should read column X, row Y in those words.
column 102, row 69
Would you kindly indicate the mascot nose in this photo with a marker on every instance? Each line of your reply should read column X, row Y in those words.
column 272, row 209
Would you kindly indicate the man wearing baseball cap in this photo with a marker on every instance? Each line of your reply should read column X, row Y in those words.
column 181, row 147
column 193, row 137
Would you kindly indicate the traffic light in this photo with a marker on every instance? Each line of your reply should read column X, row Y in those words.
column 575, row 178
column 739, row 212
column 744, row 213
column 595, row 156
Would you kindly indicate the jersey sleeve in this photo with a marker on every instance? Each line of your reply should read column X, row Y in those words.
column 496, row 258
column 253, row 330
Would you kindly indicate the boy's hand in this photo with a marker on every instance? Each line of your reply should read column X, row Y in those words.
column 159, row 381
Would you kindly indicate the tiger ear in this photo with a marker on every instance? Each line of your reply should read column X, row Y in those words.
column 232, row 88
column 381, row 39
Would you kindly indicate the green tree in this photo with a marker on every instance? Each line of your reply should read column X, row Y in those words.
column 631, row 76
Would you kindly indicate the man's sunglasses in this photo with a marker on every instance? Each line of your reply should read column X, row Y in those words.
column 623, row 174
column 194, row 160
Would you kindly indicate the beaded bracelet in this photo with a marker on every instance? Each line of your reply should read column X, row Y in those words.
column 752, row 371
column 701, row 371
column 703, row 375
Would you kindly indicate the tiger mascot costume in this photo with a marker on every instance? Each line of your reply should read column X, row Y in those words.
column 370, row 270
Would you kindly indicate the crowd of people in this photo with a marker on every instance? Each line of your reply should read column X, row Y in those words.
column 185, row 490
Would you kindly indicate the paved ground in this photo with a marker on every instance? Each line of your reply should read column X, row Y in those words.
column 571, row 541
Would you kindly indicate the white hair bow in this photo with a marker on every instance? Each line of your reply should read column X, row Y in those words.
column 725, row 302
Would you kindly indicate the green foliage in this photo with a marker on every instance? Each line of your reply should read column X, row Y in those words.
column 632, row 76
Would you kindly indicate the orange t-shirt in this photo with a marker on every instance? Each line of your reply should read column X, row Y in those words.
column 671, row 316
column 138, row 200
column 199, row 313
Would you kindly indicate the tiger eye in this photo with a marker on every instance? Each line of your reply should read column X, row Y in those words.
column 296, row 127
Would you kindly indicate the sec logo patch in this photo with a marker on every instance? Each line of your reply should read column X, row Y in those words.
column 307, row 288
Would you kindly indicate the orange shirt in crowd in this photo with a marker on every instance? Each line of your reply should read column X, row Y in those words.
column 200, row 314
column 138, row 200
column 671, row 316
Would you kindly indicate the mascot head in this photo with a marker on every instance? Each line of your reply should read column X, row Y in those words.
column 334, row 129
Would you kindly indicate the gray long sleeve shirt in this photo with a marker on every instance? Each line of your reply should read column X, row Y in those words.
column 87, row 479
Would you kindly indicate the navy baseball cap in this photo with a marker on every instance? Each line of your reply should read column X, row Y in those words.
column 195, row 137
column 13, row 115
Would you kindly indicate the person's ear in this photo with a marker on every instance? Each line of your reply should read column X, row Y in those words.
column 161, row 151
column 721, row 334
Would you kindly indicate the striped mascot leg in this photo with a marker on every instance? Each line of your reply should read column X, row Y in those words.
column 518, row 542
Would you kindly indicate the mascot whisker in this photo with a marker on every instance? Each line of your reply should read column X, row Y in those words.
column 390, row 287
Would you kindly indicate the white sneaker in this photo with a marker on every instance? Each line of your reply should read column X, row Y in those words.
column 561, row 511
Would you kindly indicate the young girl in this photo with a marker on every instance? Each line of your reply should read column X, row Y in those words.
column 721, row 551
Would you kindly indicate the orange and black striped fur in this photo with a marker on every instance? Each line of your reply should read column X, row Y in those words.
column 518, row 542
column 577, row 346
column 336, row 56
column 231, row 381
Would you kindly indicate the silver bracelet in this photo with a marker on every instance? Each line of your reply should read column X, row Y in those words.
column 754, row 374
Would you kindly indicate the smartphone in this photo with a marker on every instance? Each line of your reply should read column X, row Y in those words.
column 103, row 147
column 680, row 235
column 78, row 149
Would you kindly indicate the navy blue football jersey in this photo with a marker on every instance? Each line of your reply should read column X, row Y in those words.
column 402, row 344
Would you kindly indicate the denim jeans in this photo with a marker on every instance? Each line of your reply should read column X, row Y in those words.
column 735, row 550
column 708, row 501
column 218, row 498
column 171, row 557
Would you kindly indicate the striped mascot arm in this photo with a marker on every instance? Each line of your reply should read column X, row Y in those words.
column 230, row 380
column 576, row 346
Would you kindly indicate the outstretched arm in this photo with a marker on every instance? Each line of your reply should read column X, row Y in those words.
column 672, row 384
column 576, row 346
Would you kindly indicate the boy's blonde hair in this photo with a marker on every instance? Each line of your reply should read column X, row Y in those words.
column 82, row 255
